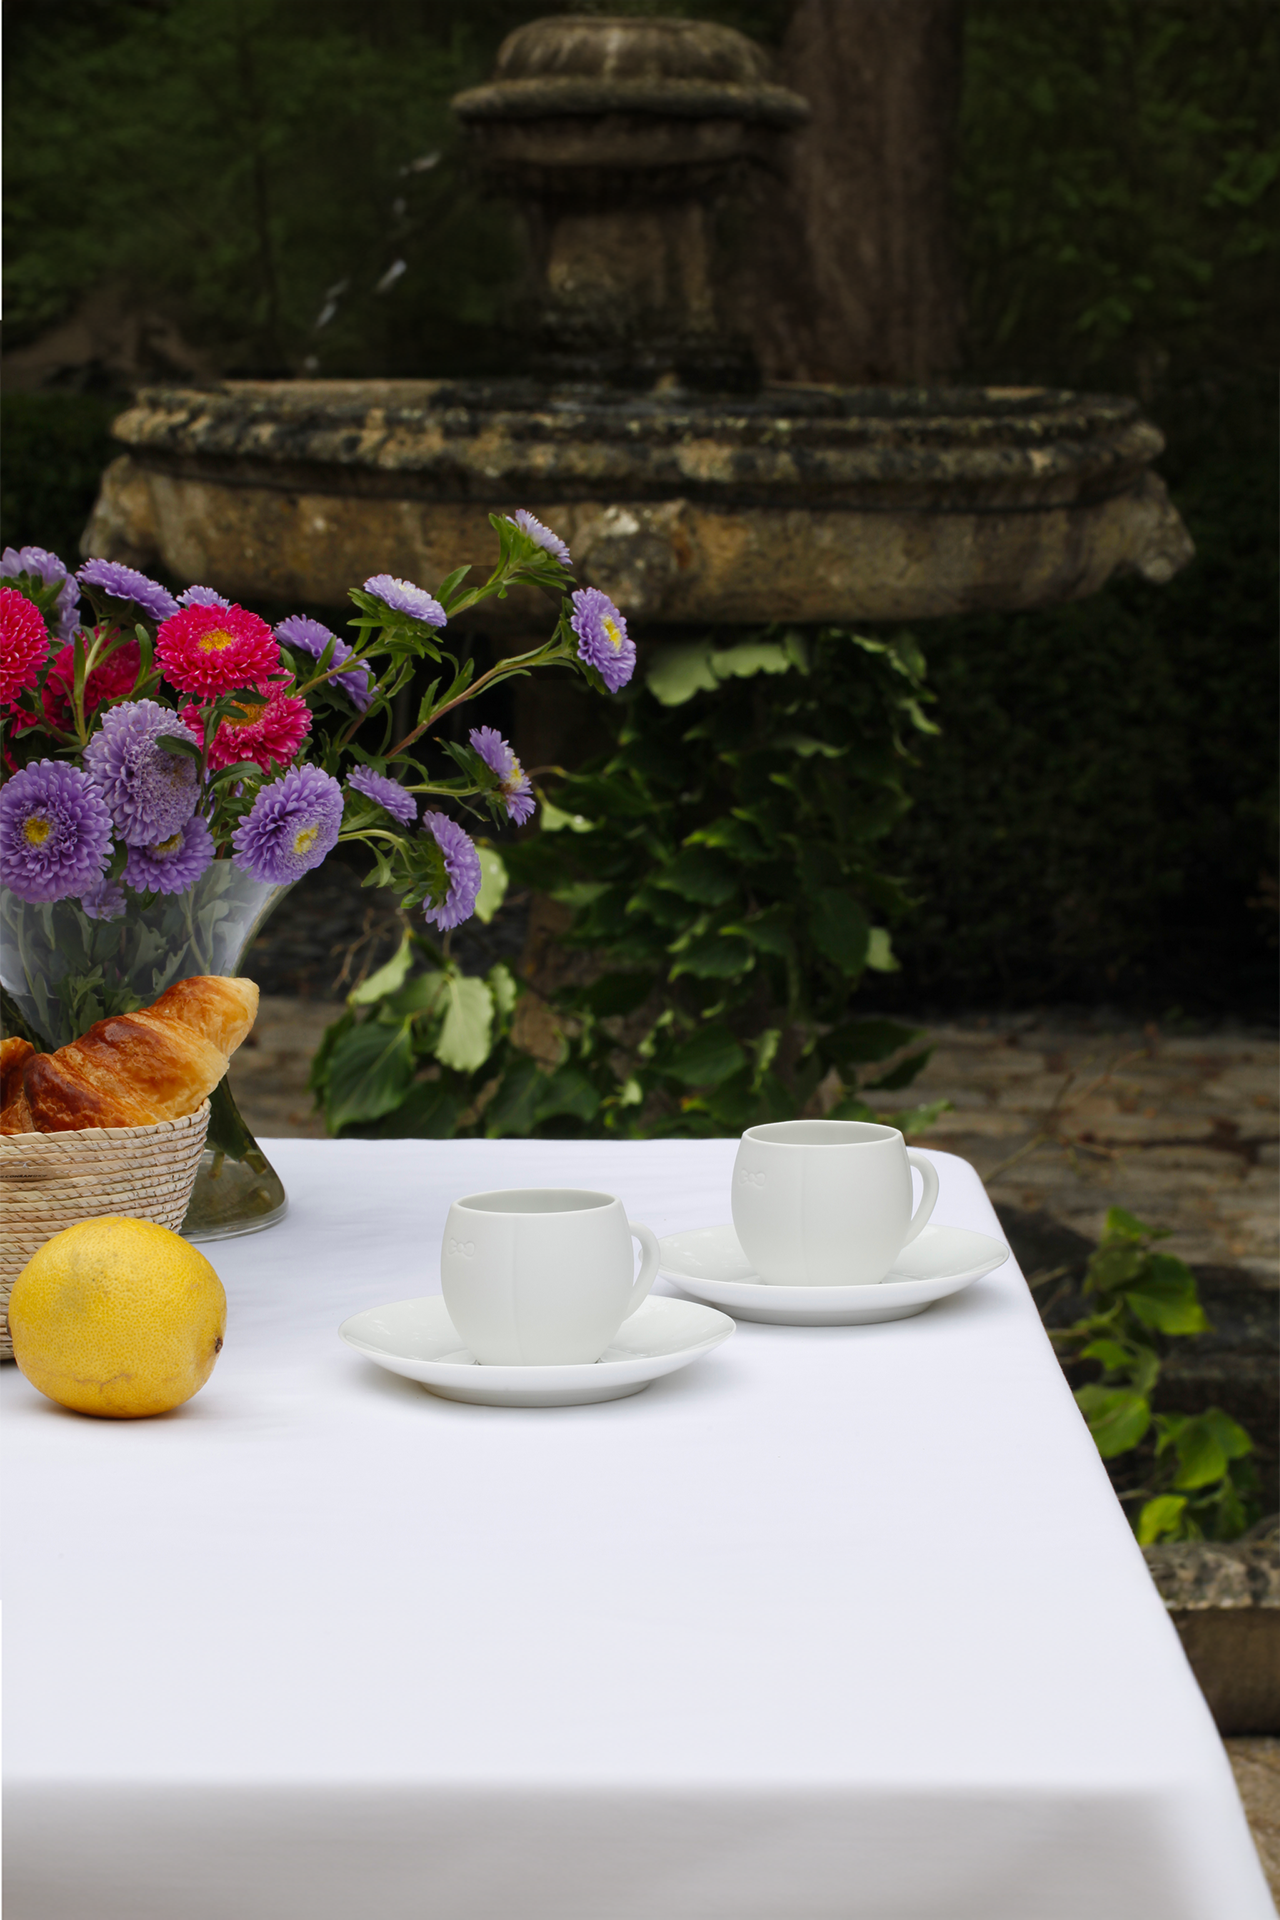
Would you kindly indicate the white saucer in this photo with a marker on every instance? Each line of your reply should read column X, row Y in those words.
column 709, row 1263
column 417, row 1338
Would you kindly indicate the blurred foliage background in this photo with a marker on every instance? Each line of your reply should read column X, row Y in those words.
column 280, row 184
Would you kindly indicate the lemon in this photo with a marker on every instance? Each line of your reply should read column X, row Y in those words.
column 117, row 1317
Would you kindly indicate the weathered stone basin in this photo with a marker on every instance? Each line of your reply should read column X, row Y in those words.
column 794, row 503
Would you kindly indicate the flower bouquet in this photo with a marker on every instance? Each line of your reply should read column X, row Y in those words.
column 169, row 767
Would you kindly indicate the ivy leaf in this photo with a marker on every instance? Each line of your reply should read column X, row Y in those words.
column 463, row 1042
column 1117, row 1417
column 369, row 1073
column 1160, row 1519
column 880, row 954
column 677, row 673
column 709, row 1057
column 503, row 987
column 860, row 1042
column 1201, row 1458
column 840, row 928
column 714, row 958
column 1164, row 1296
column 903, row 1074
column 493, row 883
column 388, row 978
column 700, row 875
column 1233, row 1439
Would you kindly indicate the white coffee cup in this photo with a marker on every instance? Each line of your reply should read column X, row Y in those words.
column 542, row 1276
column 827, row 1203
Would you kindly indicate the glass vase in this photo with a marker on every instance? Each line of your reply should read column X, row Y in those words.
column 61, row 971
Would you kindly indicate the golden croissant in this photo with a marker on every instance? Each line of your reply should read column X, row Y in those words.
column 134, row 1068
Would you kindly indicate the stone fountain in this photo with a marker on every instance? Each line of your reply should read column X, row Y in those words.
column 687, row 489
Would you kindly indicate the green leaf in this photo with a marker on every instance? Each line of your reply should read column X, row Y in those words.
column 1160, row 1519
column 840, row 928
column 749, row 658
column 698, row 874
column 503, row 987
column 675, row 674
column 1233, row 1439
column 387, row 979
column 714, row 958
column 1117, row 1417
column 429, row 1111
column 860, row 1042
column 880, row 955
column 552, row 820
column 421, row 994
column 369, row 1073
column 1109, row 1353
column 493, row 883
column 903, row 1074
column 616, row 993
column 1125, row 1226
column 1164, row 1296
column 1202, row 1460
column 463, row 1042
column 567, row 1092
column 710, row 1056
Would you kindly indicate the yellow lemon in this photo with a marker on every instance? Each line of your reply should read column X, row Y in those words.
column 118, row 1317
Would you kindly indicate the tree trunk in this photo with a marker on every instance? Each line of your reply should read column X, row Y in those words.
column 854, row 276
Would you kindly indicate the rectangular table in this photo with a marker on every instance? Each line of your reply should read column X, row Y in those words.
column 837, row 1622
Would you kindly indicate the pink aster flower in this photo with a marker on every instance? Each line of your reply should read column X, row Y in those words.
column 269, row 732
column 514, row 783
column 24, row 643
column 110, row 680
column 211, row 650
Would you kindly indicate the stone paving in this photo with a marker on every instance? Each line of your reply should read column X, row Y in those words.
column 1068, row 1118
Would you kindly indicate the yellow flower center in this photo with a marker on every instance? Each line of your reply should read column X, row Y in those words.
column 217, row 641
column 246, row 716
column 37, row 829
column 513, row 779
column 304, row 841
column 171, row 845
column 612, row 633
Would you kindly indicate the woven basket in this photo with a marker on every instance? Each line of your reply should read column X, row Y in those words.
column 49, row 1181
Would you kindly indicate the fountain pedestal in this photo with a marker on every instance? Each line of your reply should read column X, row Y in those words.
column 685, row 489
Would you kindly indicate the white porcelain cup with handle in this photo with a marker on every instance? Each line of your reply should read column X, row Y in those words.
column 542, row 1276
column 827, row 1203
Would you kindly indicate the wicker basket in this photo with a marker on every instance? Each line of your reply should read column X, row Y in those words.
column 49, row 1181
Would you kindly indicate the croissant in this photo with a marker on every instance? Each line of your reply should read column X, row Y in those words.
column 134, row 1068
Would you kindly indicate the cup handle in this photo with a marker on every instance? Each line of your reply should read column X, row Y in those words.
column 928, row 1199
column 648, row 1267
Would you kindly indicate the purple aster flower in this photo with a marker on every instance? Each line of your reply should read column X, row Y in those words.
column 308, row 636
column 462, row 872
column 46, row 566
column 403, row 597
column 201, row 597
column 602, row 637
column 150, row 793
column 55, row 832
column 513, row 782
column 388, row 793
column 554, row 545
column 172, row 865
column 292, row 825
column 126, row 583
column 106, row 901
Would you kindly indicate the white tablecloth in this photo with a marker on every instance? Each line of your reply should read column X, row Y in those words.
column 836, row 1622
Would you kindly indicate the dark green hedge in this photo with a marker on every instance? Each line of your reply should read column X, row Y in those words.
column 1097, row 819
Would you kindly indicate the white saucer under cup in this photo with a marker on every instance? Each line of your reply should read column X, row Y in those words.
column 709, row 1263
column 827, row 1203
column 417, row 1339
